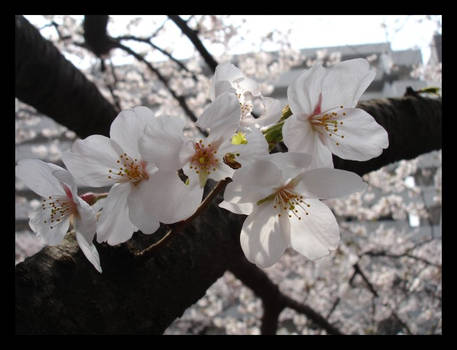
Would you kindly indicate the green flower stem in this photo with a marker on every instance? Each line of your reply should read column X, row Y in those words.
column 273, row 134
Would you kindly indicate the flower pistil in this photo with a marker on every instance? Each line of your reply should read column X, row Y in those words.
column 328, row 123
column 132, row 170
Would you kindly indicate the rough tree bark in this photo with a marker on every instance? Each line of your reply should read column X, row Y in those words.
column 56, row 88
column 59, row 292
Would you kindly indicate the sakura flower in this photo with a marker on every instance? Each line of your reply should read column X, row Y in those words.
column 60, row 206
column 142, row 195
column 208, row 157
column 229, row 78
column 325, row 120
column 280, row 194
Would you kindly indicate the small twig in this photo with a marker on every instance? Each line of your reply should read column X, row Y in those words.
column 146, row 253
column 310, row 313
column 335, row 304
column 111, row 88
column 153, row 35
column 56, row 27
column 164, row 52
column 359, row 271
column 181, row 100
column 398, row 256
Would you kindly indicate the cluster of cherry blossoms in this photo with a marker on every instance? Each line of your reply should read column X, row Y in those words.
column 157, row 174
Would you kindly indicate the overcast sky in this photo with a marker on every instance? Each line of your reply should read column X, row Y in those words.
column 403, row 32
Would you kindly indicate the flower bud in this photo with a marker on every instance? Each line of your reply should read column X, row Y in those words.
column 89, row 197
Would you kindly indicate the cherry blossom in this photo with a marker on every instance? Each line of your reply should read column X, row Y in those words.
column 60, row 206
column 213, row 157
column 229, row 78
column 325, row 120
column 281, row 195
column 142, row 195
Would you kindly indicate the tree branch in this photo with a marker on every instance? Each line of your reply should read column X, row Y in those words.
column 56, row 88
column 273, row 300
column 193, row 37
column 164, row 52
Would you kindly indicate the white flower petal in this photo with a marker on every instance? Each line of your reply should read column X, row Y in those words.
column 40, row 223
column 141, row 208
column 326, row 183
column 221, row 87
column 128, row 127
column 114, row 224
column 236, row 193
column 221, row 117
column 91, row 158
column 230, row 73
column 364, row 138
column 254, row 182
column 85, row 222
column 222, row 172
column 89, row 250
column 162, row 142
column 303, row 94
column 316, row 233
column 345, row 82
column 261, row 237
column 186, row 152
column 290, row 163
column 164, row 197
column 271, row 115
column 299, row 136
column 37, row 175
column 237, row 208
column 67, row 182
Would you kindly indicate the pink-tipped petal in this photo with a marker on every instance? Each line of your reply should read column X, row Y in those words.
column 303, row 94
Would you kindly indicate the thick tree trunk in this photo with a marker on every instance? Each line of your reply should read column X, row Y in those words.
column 56, row 88
column 59, row 292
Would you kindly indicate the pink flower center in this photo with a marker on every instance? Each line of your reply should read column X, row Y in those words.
column 56, row 209
column 129, row 170
column 204, row 159
column 287, row 201
column 326, row 124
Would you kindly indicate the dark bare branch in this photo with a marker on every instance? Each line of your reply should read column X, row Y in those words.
column 154, row 46
column 181, row 100
column 193, row 37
